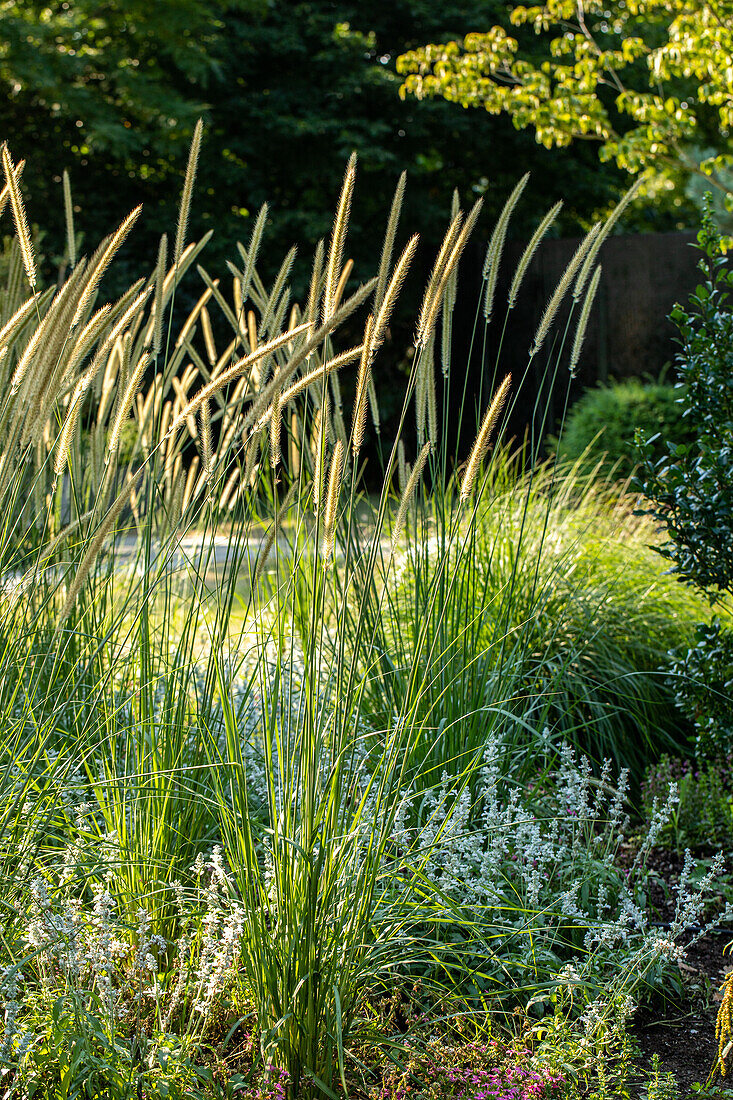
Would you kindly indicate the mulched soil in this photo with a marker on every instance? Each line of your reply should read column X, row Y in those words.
column 683, row 1035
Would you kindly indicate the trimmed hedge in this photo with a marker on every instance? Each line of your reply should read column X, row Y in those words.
column 601, row 426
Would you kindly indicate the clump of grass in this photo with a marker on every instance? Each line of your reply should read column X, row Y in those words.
column 550, row 611
column 303, row 705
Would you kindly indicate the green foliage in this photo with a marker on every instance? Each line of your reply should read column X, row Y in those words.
column 78, row 1051
column 597, row 1060
column 643, row 80
column 110, row 79
column 661, row 1086
column 283, row 86
column 702, row 678
column 703, row 816
column 691, row 487
column 344, row 71
column 698, row 187
column 601, row 426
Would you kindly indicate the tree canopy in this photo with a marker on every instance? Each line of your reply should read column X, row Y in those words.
column 287, row 92
column 651, row 81
column 111, row 77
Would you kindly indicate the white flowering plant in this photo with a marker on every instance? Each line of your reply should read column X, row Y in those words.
column 92, row 1002
column 537, row 883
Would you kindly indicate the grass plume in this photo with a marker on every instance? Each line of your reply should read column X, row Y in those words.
column 429, row 315
column 358, row 424
column 93, row 550
column 392, row 292
column 605, row 232
column 69, row 219
column 408, row 493
column 275, row 428
column 208, row 336
column 389, row 238
column 128, row 397
column 266, row 547
column 583, row 320
column 496, row 246
column 562, row 288
column 332, row 498
column 159, row 294
column 343, row 280
column 99, row 264
column 68, row 430
column 483, row 438
column 5, row 192
column 19, row 217
column 188, row 184
column 338, row 238
column 528, row 254
column 441, row 259
column 206, row 441
column 253, row 251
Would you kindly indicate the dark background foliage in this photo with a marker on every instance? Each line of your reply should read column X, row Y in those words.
column 287, row 88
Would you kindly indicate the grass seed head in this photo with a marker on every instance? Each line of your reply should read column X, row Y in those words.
column 429, row 312
column 358, row 423
column 389, row 238
column 338, row 238
column 583, row 320
column 275, row 427
column 496, row 246
column 408, row 493
column 69, row 218
column 562, row 288
column 19, row 217
column 332, row 498
column 188, row 184
column 528, row 254
column 481, row 443
column 159, row 294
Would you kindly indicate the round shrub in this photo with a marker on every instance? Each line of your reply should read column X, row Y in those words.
column 601, row 426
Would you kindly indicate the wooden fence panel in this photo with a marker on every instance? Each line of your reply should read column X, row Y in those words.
column 628, row 335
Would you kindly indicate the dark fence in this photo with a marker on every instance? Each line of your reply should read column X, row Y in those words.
column 628, row 334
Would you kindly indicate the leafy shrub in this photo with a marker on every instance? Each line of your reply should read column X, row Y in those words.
column 702, row 679
column 661, row 1086
column 537, row 892
column 690, row 488
column 703, row 816
column 601, row 426
column 585, row 618
column 95, row 1006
